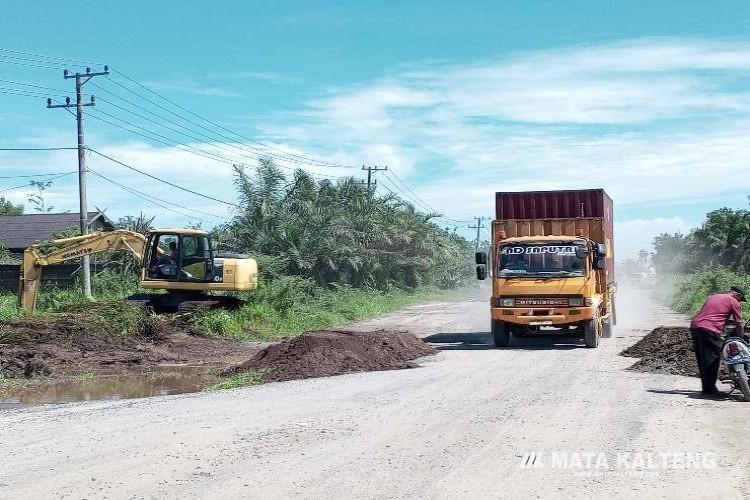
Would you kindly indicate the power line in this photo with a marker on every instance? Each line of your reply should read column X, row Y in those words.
column 187, row 190
column 168, row 141
column 145, row 198
column 200, row 136
column 418, row 204
column 64, row 59
column 419, row 201
column 32, row 175
column 29, row 65
column 151, row 196
column 160, row 203
column 48, row 64
column 394, row 189
column 32, row 85
column 51, row 62
column 172, row 142
column 21, row 93
column 37, row 149
column 34, row 93
column 28, row 184
column 285, row 153
column 257, row 152
column 398, row 179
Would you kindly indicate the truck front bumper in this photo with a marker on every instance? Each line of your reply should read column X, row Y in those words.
column 552, row 316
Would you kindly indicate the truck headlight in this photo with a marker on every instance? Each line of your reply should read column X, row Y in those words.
column 507, row 302
column 575, row 302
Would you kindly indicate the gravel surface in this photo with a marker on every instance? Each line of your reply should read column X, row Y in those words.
column 462, row 425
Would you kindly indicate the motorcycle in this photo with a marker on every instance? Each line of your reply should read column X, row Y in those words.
column 735, row 355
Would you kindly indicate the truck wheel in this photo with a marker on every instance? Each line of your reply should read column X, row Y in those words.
column 744, row 387
column 613, row 314
column 500, row 334
column 607, row 329
column 591, row 333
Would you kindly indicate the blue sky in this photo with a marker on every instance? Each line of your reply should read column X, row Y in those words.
column 646, row 99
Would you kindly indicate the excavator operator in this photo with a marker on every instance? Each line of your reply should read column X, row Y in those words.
column 166, row 265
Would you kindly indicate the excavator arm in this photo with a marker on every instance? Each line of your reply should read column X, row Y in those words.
column 34, row 259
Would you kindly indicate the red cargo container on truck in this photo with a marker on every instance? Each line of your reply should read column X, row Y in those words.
column 552, row 265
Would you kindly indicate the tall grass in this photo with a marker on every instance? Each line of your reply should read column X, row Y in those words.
column 280, row 309
column 106, row 286
column 287, row 305
column 689, row 291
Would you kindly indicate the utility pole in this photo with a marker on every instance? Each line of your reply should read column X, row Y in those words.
column 81, row 79
column 370, row 171
column 478, row 227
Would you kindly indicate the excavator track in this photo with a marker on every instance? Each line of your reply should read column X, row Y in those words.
column 162, row 303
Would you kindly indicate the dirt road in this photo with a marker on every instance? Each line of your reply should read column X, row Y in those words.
column 542, row 419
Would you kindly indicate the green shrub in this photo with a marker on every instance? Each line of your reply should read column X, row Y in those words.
column 689, row 291
column 244, row 379
column 280, row 309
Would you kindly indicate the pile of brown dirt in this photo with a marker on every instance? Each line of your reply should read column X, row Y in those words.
column 667, row 349
column 326, row 353
column 64, row 344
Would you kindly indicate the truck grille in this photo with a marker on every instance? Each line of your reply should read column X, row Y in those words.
column 541, row 301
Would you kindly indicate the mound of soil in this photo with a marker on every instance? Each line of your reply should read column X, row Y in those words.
column 326, row 353
column 63, row 345
column 667, row 349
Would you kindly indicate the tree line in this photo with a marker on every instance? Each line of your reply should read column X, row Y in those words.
column 340, row 232
column 332, row 233
column 722, row 240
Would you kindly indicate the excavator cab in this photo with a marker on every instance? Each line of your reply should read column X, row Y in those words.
column 181, row 255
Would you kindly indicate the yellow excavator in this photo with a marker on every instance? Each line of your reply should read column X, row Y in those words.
column 179, row 261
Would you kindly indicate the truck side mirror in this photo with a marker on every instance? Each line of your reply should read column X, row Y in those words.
column 599, row 263
column 601, row 249
column 481, row 272
column 480, row 258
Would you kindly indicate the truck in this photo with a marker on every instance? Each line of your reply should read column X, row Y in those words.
column 551, row 264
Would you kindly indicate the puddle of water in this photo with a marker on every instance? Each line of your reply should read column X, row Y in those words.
column 173, row 379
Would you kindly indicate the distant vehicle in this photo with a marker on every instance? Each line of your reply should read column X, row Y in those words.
column 642, row 279
column 179, row 261
column 551, row 264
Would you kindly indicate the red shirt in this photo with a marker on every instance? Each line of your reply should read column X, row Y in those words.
column 714, row 313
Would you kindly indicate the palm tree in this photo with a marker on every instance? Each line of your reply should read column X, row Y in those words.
column 342, row 232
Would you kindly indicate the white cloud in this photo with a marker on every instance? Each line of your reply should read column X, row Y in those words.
column 649, row 120
column 188, row 86
column 269, row 76
column 655, row 122
column 633, row 235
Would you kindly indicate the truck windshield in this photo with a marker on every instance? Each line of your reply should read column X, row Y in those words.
column 550, row 259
